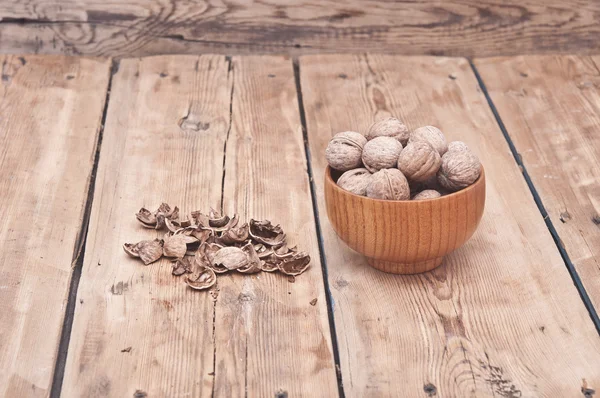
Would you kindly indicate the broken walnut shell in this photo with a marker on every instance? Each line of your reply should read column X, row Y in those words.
column 254, row 263
column 459, row 170
column 344, row 151
column 355, row 181
column 205, row 279
column 264, row 232
column 388, row 184
column 147, row 250
column 389, row 127
column 175, row 246
column 235, row 235
column 419, row 161
column 147, row 218
column 431, row 135
column 427, row 194
column 182, row 266
column 295, row 265
column 381, row 153
column 230, row 258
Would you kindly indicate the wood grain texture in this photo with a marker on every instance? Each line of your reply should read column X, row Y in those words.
column 147, row 27
column 270, row 340
column 501, row 317
column 551, row 109
column 165, row 130
column 404, row 237
column 47, row 148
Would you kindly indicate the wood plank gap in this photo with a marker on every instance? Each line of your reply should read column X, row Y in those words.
column 79, row 254
column 538, row 201
column 313, row 195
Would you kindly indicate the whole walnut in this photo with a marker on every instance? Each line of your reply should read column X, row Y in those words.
column 388, row 184
column 355, row 181
column 427, row 194
column 433, row 136
column 419, row 161
column 390, row 127
column 457, row 146
column 344, row 151
column 459, row 170
column 381, row 153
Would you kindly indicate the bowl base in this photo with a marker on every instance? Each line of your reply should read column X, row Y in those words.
column 405, row 268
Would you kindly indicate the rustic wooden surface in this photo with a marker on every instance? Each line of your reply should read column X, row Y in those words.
column 551, row 109
column 47, row 150
column 502, row 316
column 148, row 27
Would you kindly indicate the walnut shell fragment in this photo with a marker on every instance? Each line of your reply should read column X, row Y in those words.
column 235, row 235
column 157, row 219
column 344, row 151
column 427, row 194
column 381, row 153
column 182, row 266
column 355, row 181
column 254, row 263
column 459, row 170
column 264, row 232
column 205, row 256
column 230, row 258
column 295, row 265
column 216, row 219
column 147, row 250
column 175, row 246
column 146, row 217
column 389, row 127
column 419, row 161
column 388, row 184
column 433, row 136
column 205, row 279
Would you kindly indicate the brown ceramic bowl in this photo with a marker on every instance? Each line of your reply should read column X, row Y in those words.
column 404, row 237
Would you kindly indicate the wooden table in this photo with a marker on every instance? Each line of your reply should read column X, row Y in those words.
column 85, row 142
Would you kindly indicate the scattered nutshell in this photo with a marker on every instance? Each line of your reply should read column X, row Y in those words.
column 182, row 266
column 427, row 194
column 295, row 264
column 459, row 169
column 254, row 262
column 457, row 146
column 419, row 161
column 205, row 279
column 390, row 127
column 175, row 246
column 147, row 250
column 433, row 136
column 156, row 220
column 230, row 258
column 264, row 232
column 344, row 151
column 235, row 235
column 388, row 184
column 355, row 181
column 381, row 153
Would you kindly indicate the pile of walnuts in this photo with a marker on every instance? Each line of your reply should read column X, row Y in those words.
column 392, row 163
column 203, row 246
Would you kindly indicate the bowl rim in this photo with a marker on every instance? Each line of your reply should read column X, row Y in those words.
column 463, row 191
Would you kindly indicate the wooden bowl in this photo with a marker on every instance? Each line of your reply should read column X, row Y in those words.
column 404, row 237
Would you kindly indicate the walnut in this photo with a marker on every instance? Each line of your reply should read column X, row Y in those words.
column 433, row 136
column 457, row 146
column 344, row 151
column 459, row 170
column 419, row 161
column 381, row 153
column 388, row 184
column 427, row 194
column 390, row 127
column 355, row 181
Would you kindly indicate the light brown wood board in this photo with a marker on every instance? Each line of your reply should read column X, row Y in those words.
column 171, row 128
column 47, row 150
column 551, row 109
column 143, row 27
column 502, row 316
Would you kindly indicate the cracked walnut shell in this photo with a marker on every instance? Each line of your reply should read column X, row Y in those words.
column 381, row 153
column 459, row 170
column 419, row 161
column 431, row 135
column 390, row 127
column 388, row 184
column 344, row 151
column 355, row 181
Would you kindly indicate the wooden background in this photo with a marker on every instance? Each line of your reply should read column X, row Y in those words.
column 469, row 28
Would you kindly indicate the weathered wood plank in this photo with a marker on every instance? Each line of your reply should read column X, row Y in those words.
column 50, row 115
column 269, row 338
column 145, row 27
column 551, row 109
column 166, row 127
column 501, row 317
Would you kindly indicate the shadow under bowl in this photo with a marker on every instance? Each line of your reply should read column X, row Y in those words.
column 404, row 237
